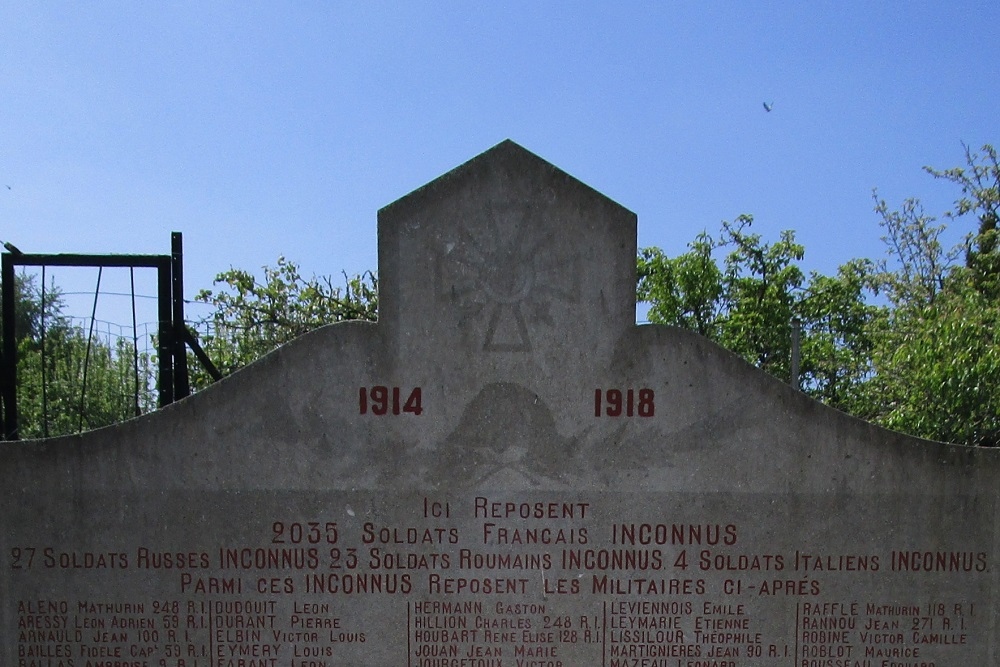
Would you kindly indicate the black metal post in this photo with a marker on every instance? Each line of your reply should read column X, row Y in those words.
column 182, row 385
column 165, row 342
column 202, row 357
column 8, row 366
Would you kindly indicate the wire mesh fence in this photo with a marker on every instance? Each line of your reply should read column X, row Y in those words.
column 81, row 374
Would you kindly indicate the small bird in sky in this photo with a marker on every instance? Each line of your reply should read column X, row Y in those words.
column 768, row 106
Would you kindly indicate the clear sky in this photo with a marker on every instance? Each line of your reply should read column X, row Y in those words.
column 267, row 129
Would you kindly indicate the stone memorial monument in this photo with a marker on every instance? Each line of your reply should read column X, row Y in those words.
column 503, row 471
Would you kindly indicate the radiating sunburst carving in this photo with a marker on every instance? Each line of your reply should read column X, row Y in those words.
column 507, row 274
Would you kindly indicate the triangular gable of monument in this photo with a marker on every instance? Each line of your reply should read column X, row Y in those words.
column 506, row 254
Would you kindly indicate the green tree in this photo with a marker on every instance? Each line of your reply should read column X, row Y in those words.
column 909, row 341
column 251, row 318
column 29, row 304
column 917, row 265
column 937, row 357
column 67, row 381
column 685, row 291
column 748, row 305
column 760, row 285
column 837, row 335
column 938, row 370
column 979, row 181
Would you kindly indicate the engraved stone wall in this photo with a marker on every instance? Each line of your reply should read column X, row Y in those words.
column 504, row 470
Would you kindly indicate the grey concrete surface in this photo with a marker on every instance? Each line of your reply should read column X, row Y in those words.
column 504, row 470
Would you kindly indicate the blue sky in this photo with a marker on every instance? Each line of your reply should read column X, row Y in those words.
column 261, row 130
